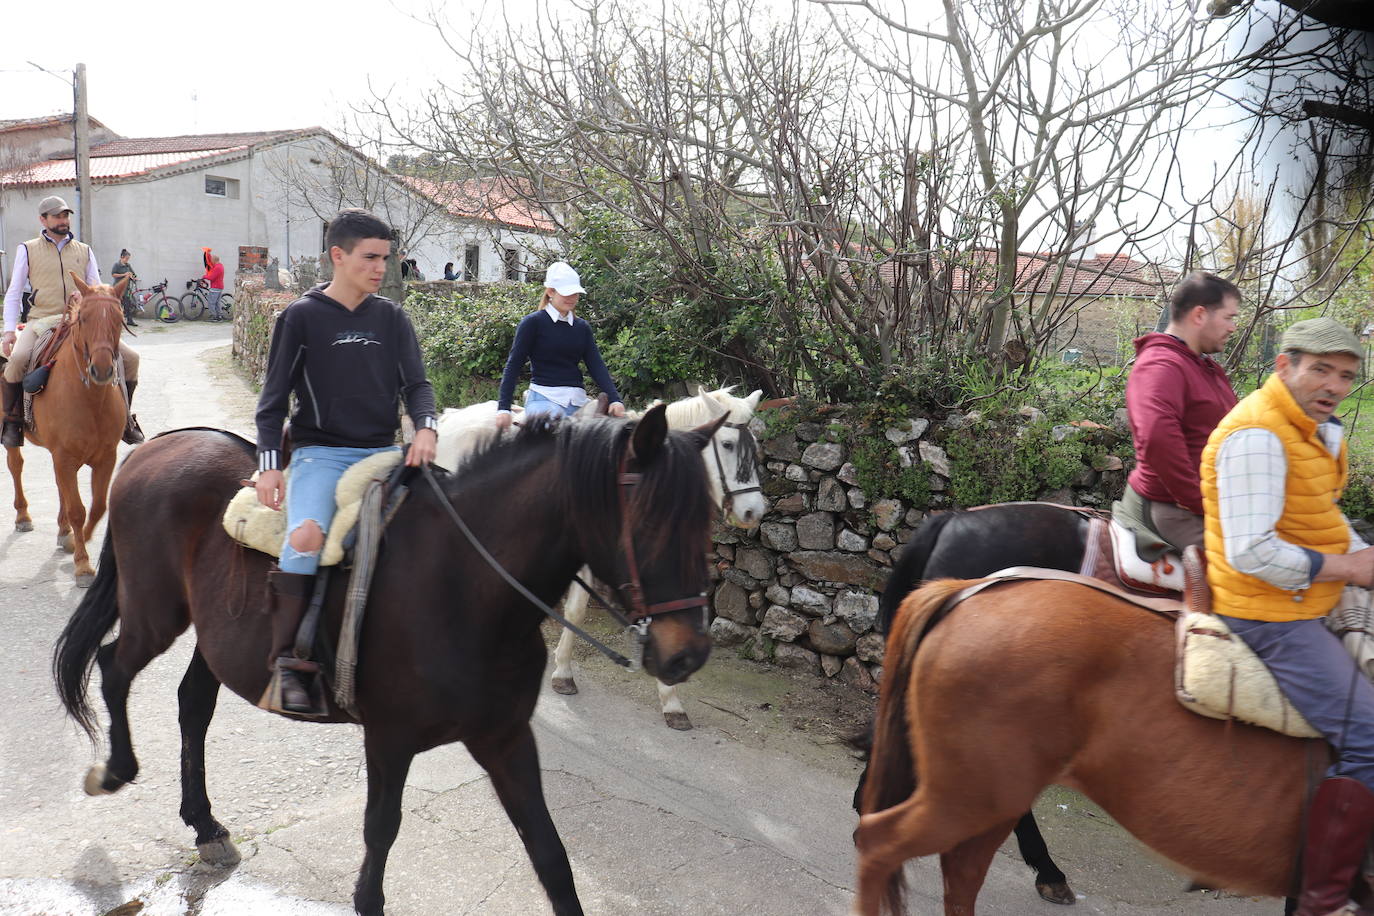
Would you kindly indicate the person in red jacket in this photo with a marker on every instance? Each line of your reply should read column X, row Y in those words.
column 214, row 276
column 1176, row 395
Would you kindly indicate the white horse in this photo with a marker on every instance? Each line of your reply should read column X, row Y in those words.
column 731, row 465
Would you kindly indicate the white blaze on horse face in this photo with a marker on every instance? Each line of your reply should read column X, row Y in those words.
column 744, row 509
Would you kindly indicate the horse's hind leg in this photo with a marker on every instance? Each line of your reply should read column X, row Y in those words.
column 965, row 866
column 196, row 698
column 14, row 459
column 514, row 771
column 1049, row 880
column 575, row 609
column 387, row 767
column 120, row 768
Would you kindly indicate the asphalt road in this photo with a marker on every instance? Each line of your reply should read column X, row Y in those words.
column 748, row 813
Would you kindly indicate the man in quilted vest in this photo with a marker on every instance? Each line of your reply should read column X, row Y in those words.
column 1279, row 554
column 46, row 263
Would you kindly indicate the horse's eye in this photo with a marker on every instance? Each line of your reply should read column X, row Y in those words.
column 729, row 446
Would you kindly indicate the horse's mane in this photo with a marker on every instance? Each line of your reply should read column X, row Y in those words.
column 589, row 452
column 690, row 412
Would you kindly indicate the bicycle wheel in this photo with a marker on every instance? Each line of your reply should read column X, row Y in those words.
column 166, row 309
column 226, row 306
column 192, row 305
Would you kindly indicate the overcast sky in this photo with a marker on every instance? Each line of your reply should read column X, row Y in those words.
column 161, row 68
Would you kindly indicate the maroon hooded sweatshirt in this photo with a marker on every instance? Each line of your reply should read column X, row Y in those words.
column 1175, row 399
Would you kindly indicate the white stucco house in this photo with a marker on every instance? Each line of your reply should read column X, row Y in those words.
column 253, row 197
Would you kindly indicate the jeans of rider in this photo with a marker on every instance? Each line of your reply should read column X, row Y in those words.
column 537, row 403
column 1323, row 682
column 314, row 474
column 215, row 296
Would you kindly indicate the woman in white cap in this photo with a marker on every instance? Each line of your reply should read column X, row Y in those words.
column 556, row 343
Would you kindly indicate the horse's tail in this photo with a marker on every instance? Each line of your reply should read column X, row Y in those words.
column 891, row 775
column 910, row 569
column 80, row 640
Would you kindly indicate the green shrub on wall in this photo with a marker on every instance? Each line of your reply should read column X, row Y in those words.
column 465, row 339
column 994, row 463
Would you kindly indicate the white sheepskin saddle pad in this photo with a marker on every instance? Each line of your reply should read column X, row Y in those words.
column 254, row 525
column 1218, row 675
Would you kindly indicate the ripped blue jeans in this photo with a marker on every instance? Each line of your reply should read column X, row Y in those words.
column 315, row 472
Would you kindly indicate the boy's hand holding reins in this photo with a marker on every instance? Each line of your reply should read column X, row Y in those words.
column 422, row 448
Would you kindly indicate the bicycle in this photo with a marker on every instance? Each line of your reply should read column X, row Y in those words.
column 197, row 300
column 164, row 307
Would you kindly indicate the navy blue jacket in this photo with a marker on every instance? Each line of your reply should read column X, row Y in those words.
column 554, row 350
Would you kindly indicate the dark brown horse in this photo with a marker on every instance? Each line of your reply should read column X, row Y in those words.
column 79, row 418
column 1034, row 683
column 449, row 651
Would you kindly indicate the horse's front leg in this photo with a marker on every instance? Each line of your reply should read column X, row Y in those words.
column 14, row 458
column 196, row 698
column 388, row 763
column 101, row 472
column 514, row 771
column 575, row 609
column 73, row 520
column 673, row 713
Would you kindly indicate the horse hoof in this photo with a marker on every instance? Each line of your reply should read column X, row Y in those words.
column 23, row 526
column 564, row 685
column 678, row 720
column 84, row 580
column 100, row 782
column 221, row 853
column 1057, row 892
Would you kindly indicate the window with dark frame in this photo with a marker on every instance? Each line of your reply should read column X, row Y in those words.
column 472, row 263
column 216, row 187
column 512, row 259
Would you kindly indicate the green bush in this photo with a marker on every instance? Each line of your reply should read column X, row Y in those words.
column 996, row 463
column 465, row 339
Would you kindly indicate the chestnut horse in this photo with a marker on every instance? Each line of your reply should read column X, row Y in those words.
column 79, row 418
column 449, row 651
column 1039, row 682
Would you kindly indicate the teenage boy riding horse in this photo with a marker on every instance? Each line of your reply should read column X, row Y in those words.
column 348, row 355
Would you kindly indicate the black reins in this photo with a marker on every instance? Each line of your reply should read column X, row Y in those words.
column 745, row 461
column 638, row 613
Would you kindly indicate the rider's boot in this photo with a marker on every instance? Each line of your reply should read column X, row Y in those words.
column 132, row 433
column 12, row 412
column 290, row 596
column 1338, row 828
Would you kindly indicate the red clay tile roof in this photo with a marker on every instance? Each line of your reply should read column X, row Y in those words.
column 142, row 146
column 485, row 199
column 14, row 124
column 1101, row 275
column 103, row 169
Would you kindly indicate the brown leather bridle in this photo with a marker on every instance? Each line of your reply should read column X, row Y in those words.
column 84, row 369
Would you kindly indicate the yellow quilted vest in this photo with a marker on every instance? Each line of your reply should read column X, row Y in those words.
column 1310, row 517
column 49, row 274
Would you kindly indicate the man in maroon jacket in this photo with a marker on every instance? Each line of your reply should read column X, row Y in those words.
column 1176, row 395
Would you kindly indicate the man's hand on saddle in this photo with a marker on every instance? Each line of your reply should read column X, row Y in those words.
column 7, row 343
column 271, row 486
column 422, row 448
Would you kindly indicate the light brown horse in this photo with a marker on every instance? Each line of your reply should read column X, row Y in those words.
column 79, row 417
column 1041, row 682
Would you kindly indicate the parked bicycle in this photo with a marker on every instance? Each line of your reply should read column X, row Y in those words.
column 195, row 302
column 156, row 300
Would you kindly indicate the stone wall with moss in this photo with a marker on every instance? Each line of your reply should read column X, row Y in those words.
column 847, row 487
column 255, row 315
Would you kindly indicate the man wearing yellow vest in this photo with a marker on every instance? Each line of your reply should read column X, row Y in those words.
column 46, row 263
column 1279, row 554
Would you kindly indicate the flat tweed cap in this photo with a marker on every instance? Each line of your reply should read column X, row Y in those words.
column 1321, row 335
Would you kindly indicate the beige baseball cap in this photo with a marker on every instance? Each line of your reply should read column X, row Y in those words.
column 1321, row 335
column 50, row 206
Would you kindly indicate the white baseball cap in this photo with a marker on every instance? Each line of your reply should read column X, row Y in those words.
column 561, row 277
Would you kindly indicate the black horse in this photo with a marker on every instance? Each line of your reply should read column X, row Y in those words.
column 449, row 652
column 970, row 544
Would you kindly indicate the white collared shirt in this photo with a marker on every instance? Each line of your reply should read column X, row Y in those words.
column 556, row 315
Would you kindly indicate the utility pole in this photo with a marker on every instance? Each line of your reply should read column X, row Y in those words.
column 83, row 158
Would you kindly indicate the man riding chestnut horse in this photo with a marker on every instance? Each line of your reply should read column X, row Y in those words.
column 47, row 263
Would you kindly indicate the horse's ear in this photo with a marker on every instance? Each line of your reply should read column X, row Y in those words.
column 649, row 435
column 753, row 399
column 80, row 284
column 119, row 287
column 701, row 436
column 714, row 408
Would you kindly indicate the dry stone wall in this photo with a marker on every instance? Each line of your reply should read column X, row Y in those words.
column 802, row 590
